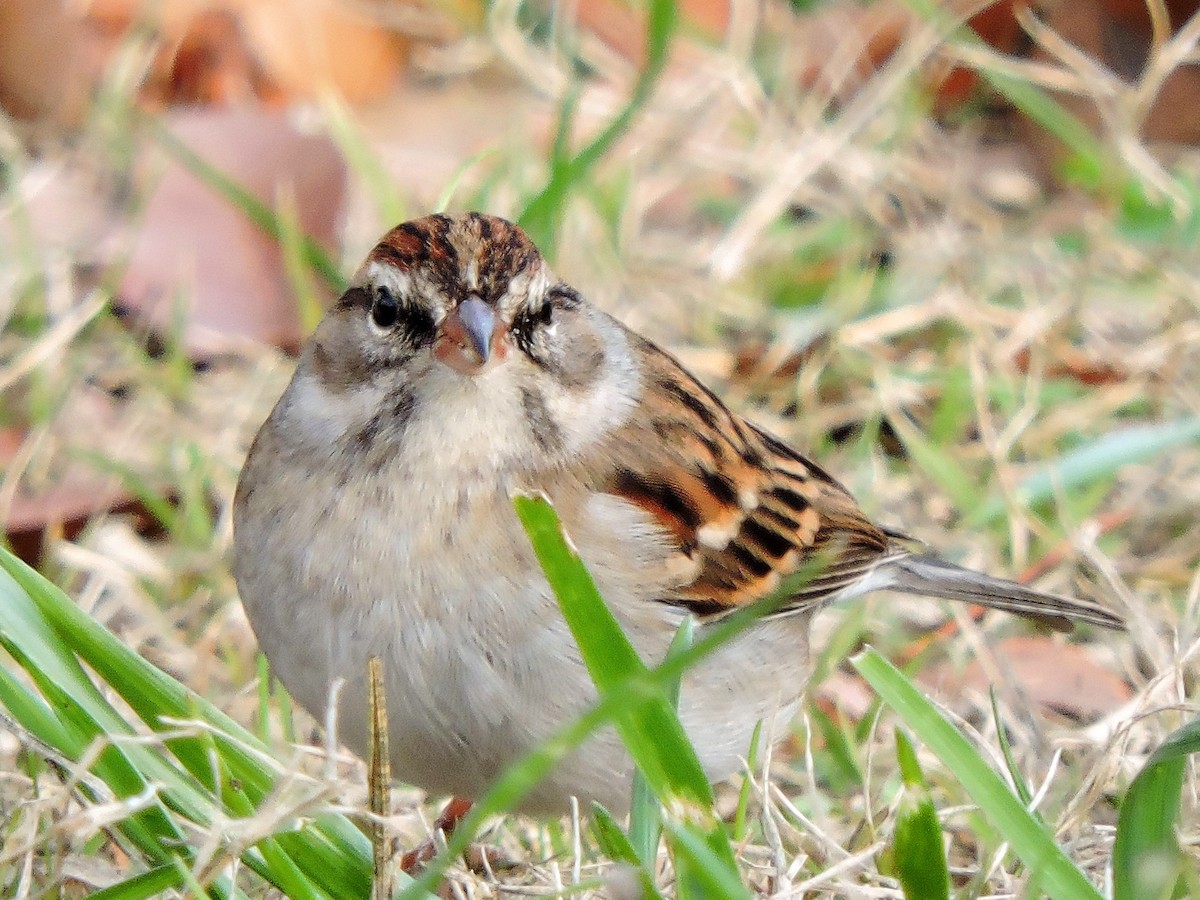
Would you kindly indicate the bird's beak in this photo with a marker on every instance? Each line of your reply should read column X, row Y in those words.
column 468, row 337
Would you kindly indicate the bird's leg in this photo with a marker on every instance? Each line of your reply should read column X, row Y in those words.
column 453, row 813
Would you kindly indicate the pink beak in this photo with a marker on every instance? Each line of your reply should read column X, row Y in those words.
column 468, row 337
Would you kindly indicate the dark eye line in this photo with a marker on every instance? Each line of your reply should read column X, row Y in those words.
column 563, row 295
column 528, row 321
column 356, row 297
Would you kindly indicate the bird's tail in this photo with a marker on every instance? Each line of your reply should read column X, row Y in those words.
column 929, row 576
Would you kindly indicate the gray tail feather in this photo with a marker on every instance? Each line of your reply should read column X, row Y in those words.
column 929, row 576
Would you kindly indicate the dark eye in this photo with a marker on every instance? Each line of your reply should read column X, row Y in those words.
column 406, row 321
column 385, row 311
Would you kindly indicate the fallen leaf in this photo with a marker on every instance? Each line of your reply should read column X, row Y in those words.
column 1059, row 676
column 219, row 50
column 211, row 64
column 197, row 254
column 49, row 57
column 1070, row 362
column 311, row 46
column 1118, row 34
column 62, row 496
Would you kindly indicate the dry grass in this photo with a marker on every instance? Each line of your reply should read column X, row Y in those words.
column 684, row 233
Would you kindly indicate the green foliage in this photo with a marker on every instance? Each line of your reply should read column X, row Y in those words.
column 1147, row 861
column 917, row 856
column 190, row 779
column 1089, row 463
column 1028, row 836
column 543, row 213
column 649, row 728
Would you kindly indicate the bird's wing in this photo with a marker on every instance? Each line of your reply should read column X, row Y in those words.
column 749, row 515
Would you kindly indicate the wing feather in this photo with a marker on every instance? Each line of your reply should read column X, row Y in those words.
column 743, row 508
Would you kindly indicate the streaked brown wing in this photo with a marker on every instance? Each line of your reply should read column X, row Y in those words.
column 745, row 509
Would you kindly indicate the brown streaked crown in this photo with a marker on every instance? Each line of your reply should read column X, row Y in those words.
column 446, row 246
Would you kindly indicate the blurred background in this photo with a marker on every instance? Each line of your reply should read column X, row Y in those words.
column 952, row 248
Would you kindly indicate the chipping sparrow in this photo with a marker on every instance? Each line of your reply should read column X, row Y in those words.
column 373, row 517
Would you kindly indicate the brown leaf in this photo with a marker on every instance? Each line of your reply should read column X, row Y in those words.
column 310, row 46
column 66, row 493
column 1118, row 33
column 221, row 50
column 194, row 247
column 212, row 64
column 48, row 58
column 1059, row 676
column 1071, row 362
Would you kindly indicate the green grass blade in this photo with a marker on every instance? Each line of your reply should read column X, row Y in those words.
column 1096, row 460
column 1028, row 837
column 450, row 191
column 612, row 837
column 543, row 212
column 296, row 263
column 1014, row 773
column 918, row 856
column 33, row 714
column 82, row 716
column 700, row 872
column 645, row 813
column 645, row 819
column 1055, row 118
column 159, row 507
column 45, row 632
column 519, row 779
column 617, row 847
column 740, row 825
column 368, row 170
column 938, row 463
column 837, row 763
column 288, row 875
column 26, row 621
column 1147, row 862
column 148, row 884
column 651, row 730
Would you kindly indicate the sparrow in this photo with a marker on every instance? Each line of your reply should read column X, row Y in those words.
column 374, row 517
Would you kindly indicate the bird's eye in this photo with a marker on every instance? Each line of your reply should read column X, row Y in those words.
column 385, row 310
column 409, row 322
